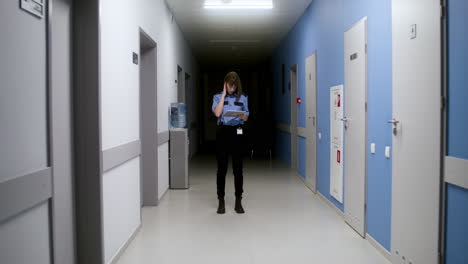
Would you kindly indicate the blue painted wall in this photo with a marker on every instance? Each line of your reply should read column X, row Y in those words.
column 314, row 31
column 282, row 148
column 379, row 168
column 457, row 141
column 457, row 230
column 458, row 78
column 321, row 29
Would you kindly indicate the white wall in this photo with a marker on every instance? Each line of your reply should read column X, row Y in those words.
column 119, row 76
column 121, row 205
column 173, row 50
column 120, row 24
column 163, row 169
column 25, row 238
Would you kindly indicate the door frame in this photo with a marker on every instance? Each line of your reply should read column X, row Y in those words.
column 180, row 85
column 444, row 127
column 293, row 78
column 311, row 135
column 148, row 122
column 87, row 132
column 189, row 102
column 345, row 159
column 60, row 119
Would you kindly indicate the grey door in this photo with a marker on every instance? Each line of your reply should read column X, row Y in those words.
column 180, row 85
column 25, row 159
column 417, row 131
column 355, row 135
column 148, row 121
column 311, row 122
column 189, row 103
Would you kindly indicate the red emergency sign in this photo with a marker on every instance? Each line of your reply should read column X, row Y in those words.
column 338, row 156
column 298, row 100
column 339, row 100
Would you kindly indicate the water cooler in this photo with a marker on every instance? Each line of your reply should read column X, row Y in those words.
column 178, row 148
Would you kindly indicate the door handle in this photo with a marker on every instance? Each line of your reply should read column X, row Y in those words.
column 313, row 120
column 345, row 122
column 394, row 123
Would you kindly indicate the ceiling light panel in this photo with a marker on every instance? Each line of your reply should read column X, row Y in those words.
column 238, row 4
column 230, row 41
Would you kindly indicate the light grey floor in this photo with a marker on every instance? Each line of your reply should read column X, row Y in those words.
column 284, row 223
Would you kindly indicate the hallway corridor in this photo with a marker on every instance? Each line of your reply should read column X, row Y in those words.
column 111, row 111
column 284, row 223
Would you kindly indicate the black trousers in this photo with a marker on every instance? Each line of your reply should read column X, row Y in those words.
column 229, row 143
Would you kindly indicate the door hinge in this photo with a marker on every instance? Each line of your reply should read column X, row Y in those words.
column 442, row 103
column 366, row 48
column 365, row 106
column 442, row 11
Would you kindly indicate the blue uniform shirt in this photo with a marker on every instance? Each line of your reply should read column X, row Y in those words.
column 231, row 103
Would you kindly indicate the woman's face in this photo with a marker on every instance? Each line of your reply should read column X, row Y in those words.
column 231, row 89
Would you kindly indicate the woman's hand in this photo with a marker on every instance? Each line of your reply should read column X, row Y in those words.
column 244, row 117
column 224, row 90
column 219, row 108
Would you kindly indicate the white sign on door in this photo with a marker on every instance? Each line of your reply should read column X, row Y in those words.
column 336, row 144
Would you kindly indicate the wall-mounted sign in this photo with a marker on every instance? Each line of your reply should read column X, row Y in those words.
column 35, row 7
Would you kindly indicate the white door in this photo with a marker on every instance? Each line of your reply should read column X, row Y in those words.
column 311, row 125
column 417, row 134
column 355, row 123
column 293, row 82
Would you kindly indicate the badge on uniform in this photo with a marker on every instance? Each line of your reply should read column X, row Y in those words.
column 239, row 131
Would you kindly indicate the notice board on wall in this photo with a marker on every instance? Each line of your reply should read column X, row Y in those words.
column 336, row 142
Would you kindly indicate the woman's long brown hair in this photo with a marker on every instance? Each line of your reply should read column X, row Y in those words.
column 233, row 79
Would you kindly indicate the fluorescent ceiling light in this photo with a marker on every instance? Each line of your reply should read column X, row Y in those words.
column 237, row 7
column 234, row 41
column 238, row 4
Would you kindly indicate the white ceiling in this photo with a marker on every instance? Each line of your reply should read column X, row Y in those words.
column 235, row 36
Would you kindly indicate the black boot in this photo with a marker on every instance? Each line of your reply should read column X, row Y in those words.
column 238, row 206
column 221, row 207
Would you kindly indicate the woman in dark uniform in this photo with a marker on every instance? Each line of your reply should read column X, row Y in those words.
column 230, row 137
